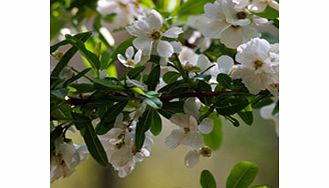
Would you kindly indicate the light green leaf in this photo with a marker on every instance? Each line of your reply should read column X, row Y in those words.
column 242, row 175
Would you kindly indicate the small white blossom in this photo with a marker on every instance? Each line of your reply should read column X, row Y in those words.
column 65, row 158
column 149, row 35
column 130, row 60
column 225, row 23
column 120, row 148
column 258, row 66
column 193, row 156
column 125, row 10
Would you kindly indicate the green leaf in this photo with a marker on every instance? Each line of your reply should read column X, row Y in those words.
column 121, row 49
column 171, row 77
column 108, row 119
column 91, row 57
column 144, row 124
column 229, row 105
column 81, row 88
column 147, row 3
column 109, row 84
column 242, row 175
column 95, row 148
column 276, row 109
column 191, row 7
column 234, row 121
column 207, row 180
column 60, row 111
column 224, row 80
column 76, row 77
column 170, row 108
column 259, row 186
column 246, row 115
column 135, row 72
column 81, row 36
column 268, row 13
column 214, row 139
column 157, row 124
column 153, row 78
column 153, row 102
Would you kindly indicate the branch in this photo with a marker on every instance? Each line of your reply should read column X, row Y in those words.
column 167, row 97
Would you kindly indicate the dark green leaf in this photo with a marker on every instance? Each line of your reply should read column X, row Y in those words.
column 91, row 57
column 242, row 175
column 81, row 36
column 224, row 80
column 229, row 105
column 153, row 102
column 108, row 119
column 170, row 108
column 246, row 115
column 95, row 148
column 153, row 78
column 143, row 125
column 82, row 88
column 214, row 139
column 157, row 124
column 234, row 121
column 276, row 109
column 207, row 180
column 259, row 186
column 60, row 111
column 135, row 72
column 170, row 77
column 108, row 84
column 76, row 77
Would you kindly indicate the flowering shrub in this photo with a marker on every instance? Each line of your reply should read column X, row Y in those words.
column 196, row 63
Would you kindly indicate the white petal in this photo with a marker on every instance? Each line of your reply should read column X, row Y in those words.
column 206, row 126
column 192, row 158
column 103, row 74
column 130, row 52
column 231, row 37
column 213, row 11
column 138, row 56
column 174, row 139
column 122, row 59
column 173, row 32
column 225, row 64
column 121, row 157
column 144, row 44
column 191, row 107
column 203, row 62
column 155, row 19
column 164, row 49
column 266, row 111
column 274, row 5
column 192, row 139
column 177, row 46
column 183, row 120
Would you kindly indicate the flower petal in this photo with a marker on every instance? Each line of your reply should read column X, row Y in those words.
column 155, row 19
column 130, row 52
column 164, row 49
column 174, row 139
column 203, row 62
column 173, row 32
column 192, row 158
column 206, row 126
column 144, row 44
column 192, row 139
column 191, row 107
column 121, row 59
column 138, row 56
column 225, row 64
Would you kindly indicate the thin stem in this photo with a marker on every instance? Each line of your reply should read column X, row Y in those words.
column 75, row 70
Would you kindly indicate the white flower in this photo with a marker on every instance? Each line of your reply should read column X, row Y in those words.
column 120, row 148
column 193, row 156
column 149, row 35
column 224, row 65
column 225, row 23
column 259, row 66
column 188, row 133
column 256, row 5
column 189, row 58
column 65, row 158
column 129, row 61
column 266, row 113
column 125, row 10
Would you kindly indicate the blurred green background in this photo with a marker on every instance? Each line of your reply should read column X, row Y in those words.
column 165, row 167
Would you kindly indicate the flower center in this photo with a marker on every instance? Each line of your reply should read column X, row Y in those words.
column 258, row 64
column 241, row 15
column 156, row 35
column 130, row 62
column 205, row 151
